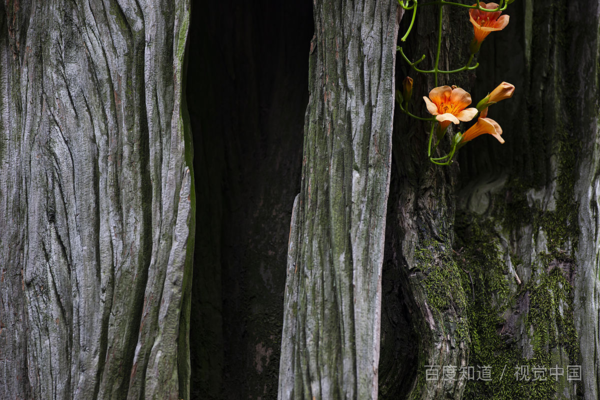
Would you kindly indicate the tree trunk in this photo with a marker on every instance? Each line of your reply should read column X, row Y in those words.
column 489, row 262
column 331, row 333
column 493, row 263
column 533, row 201
column 97, row 204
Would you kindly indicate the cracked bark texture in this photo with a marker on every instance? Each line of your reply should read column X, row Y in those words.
column 330, row 344
column 96, row 202
column 585, row 18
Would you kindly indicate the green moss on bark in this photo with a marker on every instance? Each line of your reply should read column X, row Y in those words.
column 441, row 276
column 445, row 298
column 548, row 320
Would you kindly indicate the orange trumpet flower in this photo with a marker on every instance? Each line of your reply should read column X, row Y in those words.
column 485, row 22
column 450, row 105
column 483, row 125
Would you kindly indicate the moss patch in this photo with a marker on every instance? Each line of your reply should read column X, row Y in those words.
column 441, row 283
column 441, row 280
column 562, row 225
column 548, row 323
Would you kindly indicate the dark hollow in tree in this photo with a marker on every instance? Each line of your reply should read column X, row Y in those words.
column 247, row 92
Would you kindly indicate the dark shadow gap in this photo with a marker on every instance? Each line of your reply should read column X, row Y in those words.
column 247, row 91
column 398, row 362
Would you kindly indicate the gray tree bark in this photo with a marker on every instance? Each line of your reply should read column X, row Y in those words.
column 96, row 200
column 330, row 345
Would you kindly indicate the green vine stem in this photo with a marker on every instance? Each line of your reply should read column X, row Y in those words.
column 439, row 46
column 467, row 67
column 406, row 6
column 412, row 21
column 501, row 7
column 430, row 141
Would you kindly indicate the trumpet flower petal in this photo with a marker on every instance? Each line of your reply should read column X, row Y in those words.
column 484, row 125
column 485, row 22
column 449, row 105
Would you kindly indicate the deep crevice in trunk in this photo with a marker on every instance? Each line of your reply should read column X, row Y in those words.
column 247, row 91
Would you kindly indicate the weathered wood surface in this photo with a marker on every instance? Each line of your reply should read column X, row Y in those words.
column 96, row 202
column 330, row 345
column 585, row 92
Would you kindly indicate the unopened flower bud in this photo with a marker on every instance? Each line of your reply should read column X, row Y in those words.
column 407, row 86
column 504, row 91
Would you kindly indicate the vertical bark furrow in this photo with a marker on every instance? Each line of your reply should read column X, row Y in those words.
column 13, row 321
column 247, row 92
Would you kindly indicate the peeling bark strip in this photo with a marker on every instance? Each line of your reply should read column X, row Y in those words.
column 96, row 199
column 330, row 345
